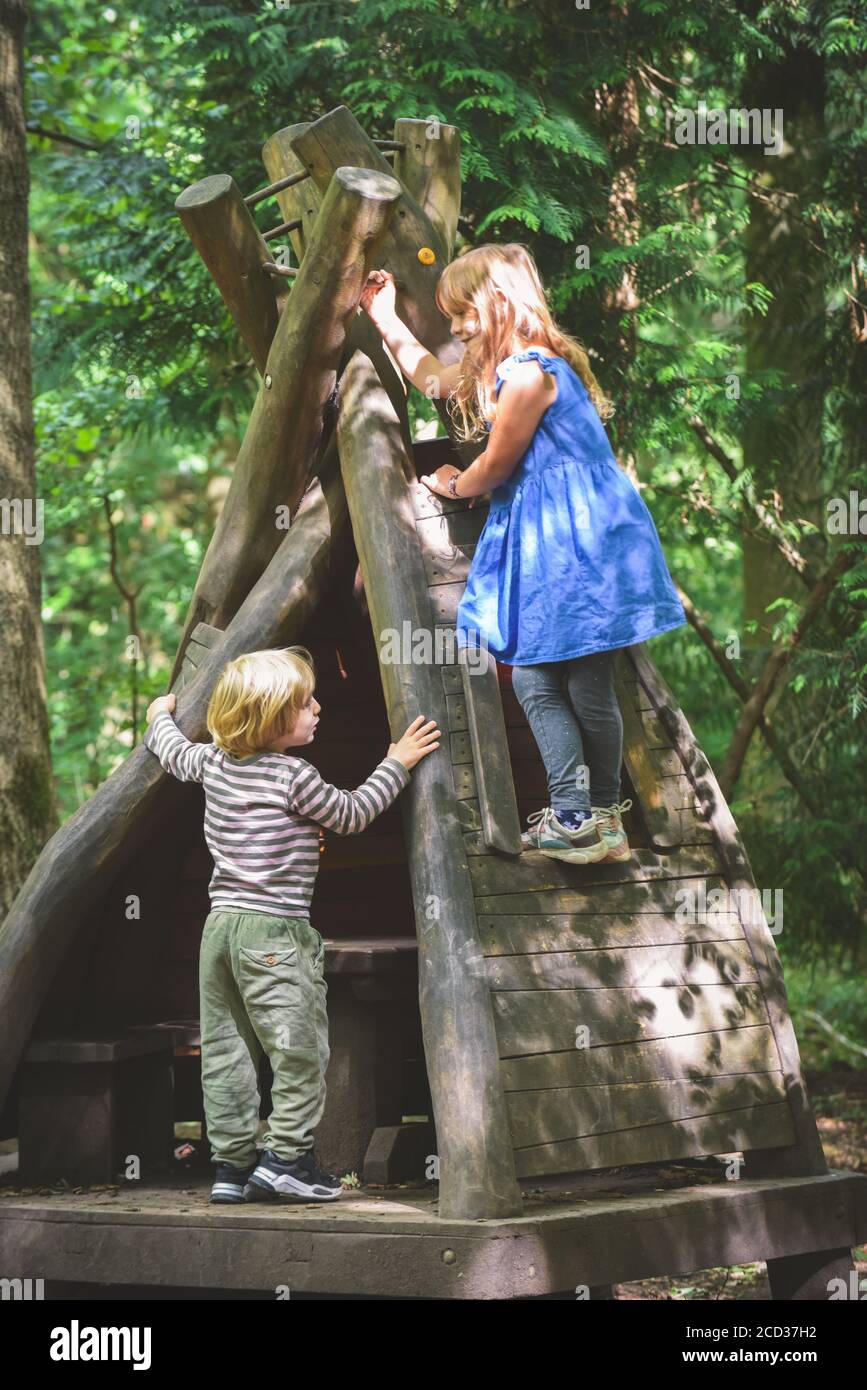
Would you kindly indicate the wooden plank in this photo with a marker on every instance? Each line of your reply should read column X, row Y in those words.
column 576, row 1112
column 671, row 966
column 391, row 1244
column 501, row 829
column 444, row 600
column 429, row 505
column 445, row 531
column 529, row 934
column 206, row 635
column 659, row 813
column 477, row 1171
column 663, row 895
column 765, row 1126
column 531, row 1021
column 457, row 712
column 447, row 567
column 692, row 1056
column 535, row 871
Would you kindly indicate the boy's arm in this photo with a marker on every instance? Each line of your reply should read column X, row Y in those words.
column 345, row 812
column 182, row 759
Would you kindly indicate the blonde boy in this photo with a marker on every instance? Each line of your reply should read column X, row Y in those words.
column 261, row 964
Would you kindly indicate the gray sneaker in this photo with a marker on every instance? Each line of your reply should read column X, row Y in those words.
column 546, row 834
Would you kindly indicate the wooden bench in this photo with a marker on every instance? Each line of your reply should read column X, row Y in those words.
column 87, row 1105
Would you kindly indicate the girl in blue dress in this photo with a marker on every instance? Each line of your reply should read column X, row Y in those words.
column 568, row 568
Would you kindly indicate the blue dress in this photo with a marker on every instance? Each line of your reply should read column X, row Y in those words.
column 568, row 561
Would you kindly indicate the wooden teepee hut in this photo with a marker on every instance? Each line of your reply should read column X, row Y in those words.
column 462, row 973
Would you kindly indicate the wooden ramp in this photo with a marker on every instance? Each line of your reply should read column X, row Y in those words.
column 629, row 1000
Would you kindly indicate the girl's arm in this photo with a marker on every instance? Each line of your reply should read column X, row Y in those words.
column 524, row 398
column 426, row 372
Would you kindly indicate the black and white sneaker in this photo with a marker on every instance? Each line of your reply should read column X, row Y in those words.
column 276, row 1177
column 229, row 1182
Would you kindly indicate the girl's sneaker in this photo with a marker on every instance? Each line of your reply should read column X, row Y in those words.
column 276, row 1177
column 547, row 834
column 229, row 1182
column 611, row 829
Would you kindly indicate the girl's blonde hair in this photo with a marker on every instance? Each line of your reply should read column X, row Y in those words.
column 258, row 698
column 505, row 326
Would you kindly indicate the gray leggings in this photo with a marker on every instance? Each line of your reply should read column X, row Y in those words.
column 572, row 709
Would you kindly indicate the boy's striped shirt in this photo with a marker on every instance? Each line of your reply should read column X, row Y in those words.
column 261, row 817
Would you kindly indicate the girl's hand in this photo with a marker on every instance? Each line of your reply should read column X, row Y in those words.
column 378, row 298
column 161, row 703
column 416, row 743
column 438, row 482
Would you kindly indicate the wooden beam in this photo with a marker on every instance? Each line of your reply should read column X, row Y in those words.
column 303, row 200
column 223, row 232
column 477, row 1177
column 501, row 826
column 428, row 165
column 89, row 849
column 336, row 139
column 286, row 426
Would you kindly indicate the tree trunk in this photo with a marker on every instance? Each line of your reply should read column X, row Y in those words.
column 28, row 812
column 782, row 252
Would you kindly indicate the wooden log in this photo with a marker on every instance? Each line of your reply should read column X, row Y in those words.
column 501, row 828
column 302, row 201
column 476, row 1168
column 428, row 164
column 223, row 232
column 87, row 852
column 805, row 1156
column 336, row 139
column 285, row 429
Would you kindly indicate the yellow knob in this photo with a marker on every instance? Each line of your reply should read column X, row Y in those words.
column 427, row 256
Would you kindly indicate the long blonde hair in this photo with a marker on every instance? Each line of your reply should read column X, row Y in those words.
column 258, row 698
column 505, row 327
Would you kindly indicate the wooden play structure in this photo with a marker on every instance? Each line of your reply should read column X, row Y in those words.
column 560, row 1046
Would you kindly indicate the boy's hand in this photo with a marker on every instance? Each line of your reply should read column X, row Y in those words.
column 162, row 702
column 416, row 743
column 378, row 297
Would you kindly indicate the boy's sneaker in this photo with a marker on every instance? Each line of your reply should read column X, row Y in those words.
column 229, row 1182
column 546, row 833
column 276, row 1177
column 611, row 829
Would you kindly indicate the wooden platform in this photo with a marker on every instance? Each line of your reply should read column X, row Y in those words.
column 600, row 1229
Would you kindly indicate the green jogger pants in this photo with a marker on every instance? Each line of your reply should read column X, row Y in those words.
column 262, row 990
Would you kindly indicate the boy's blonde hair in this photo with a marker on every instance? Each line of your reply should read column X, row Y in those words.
column 258, row 698
column 468, row 283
